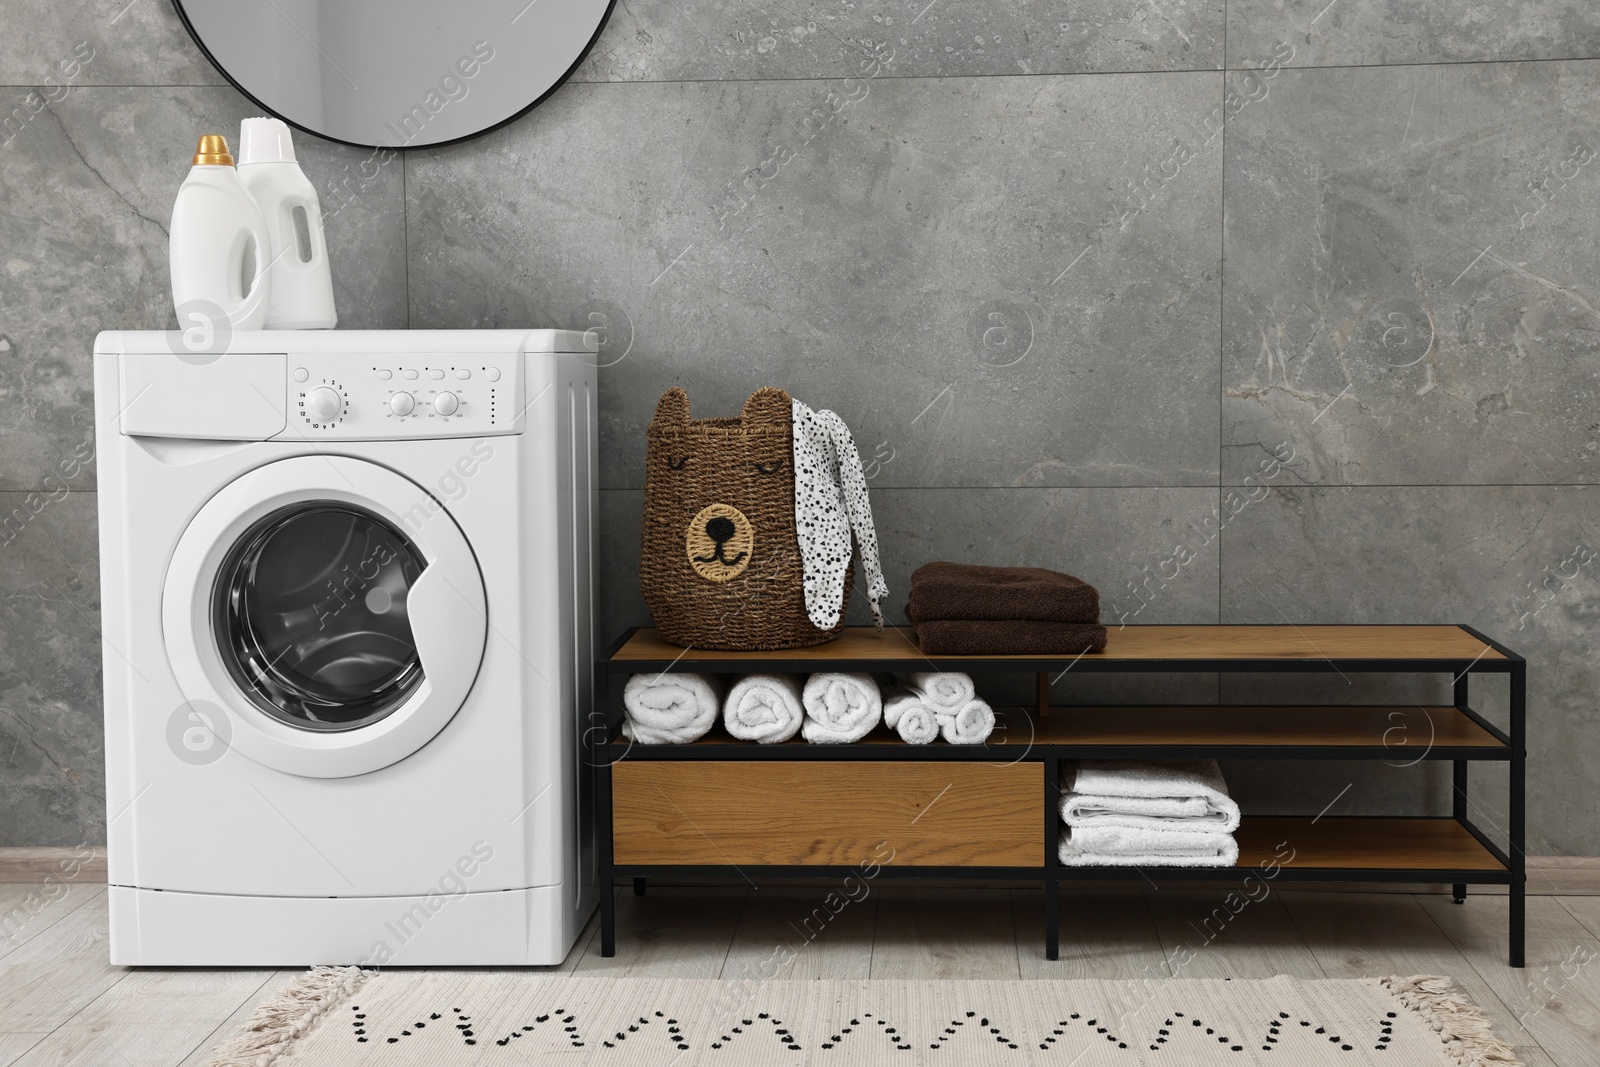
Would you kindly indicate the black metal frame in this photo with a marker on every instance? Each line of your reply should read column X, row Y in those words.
column 604, row 747
column 205, row 50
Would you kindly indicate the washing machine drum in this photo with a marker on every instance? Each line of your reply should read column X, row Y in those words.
column 311, row 616
column 330, row 610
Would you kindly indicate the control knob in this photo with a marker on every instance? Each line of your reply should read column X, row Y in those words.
column 324, row 404
column 446, row 403
column 402, row 403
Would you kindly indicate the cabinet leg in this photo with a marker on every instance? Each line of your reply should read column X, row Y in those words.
column 1517, row 813
column 1052, row 920
column 1458, row 798
column 1458, row 781
column 1519, row 921
column 608, row 919
column 638, row 887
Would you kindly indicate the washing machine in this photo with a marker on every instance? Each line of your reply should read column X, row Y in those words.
column 346, row 589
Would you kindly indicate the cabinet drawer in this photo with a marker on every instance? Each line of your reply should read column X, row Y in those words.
column 805, row 812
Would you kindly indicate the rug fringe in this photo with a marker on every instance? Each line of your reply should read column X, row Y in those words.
column 1466, row 1032
column 288, row 1016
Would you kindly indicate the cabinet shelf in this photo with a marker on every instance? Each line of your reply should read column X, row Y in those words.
column 723, row 808
column 1396, row 734
column 1343, row 848
column 1129, row 648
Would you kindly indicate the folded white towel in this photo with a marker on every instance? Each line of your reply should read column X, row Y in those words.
column 906, row 714
column 1148, row 794
column 670, row 708
column 944, row 691
column 971, row 725
column 1123, row 846
column 764, row 708
column 840, row 708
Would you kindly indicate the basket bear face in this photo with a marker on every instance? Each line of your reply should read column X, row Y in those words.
column 720, row 566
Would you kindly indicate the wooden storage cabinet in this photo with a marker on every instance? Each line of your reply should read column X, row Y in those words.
column 726, row 809
column 835, row 813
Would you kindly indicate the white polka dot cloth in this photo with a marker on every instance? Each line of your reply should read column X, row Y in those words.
column 830, row 500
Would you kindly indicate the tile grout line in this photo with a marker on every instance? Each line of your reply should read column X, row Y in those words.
column 1225, row 35
column 1305, row 942
column 1222, row 310
column 1155, row 930
column 18, row 1058
column 1562, row 900
column 125, row 976
column 272, row 976
column 405, row 236
column 1305, row 938
column 872, row 946
column 733, row 931
column 580, row 947
column 1016, row 956
column 1223, row 69
column 738, row 924
column 1315, row 486
column 1120, row 71
column 45, row 928
column 1016, row 929
column 872, row 949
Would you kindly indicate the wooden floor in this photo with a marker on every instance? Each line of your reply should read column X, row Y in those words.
column 61, row 1003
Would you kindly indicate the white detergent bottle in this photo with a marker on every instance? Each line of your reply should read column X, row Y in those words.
column 218, row 247
column 302, row 283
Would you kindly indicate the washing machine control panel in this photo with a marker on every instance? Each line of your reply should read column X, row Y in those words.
column 347, row 397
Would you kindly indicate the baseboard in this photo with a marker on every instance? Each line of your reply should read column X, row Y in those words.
column 33, row 865
column 1566, row 876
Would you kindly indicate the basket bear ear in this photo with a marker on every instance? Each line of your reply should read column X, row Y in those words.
column 673, row 407
column 768, row 407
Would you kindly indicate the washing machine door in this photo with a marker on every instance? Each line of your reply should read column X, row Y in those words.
column 331, row 609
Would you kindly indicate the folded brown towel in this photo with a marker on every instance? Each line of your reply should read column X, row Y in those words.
column 1008, row 637
column 970, row 591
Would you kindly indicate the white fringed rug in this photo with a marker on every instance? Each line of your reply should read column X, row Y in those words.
column 347, row 1018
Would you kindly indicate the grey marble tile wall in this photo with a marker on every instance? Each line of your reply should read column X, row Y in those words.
column 1407, row 249
column 52, row 769
column 1425, row 32
column 964, row 268
column 114, row 42
column 1072, row 273
column 662, row 40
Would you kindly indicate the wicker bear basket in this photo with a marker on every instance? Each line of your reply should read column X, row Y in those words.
column 720, row 566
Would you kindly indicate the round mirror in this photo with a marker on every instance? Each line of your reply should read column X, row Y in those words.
column 396, row 73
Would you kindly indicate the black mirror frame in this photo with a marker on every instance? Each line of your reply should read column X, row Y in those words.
column 188, row 26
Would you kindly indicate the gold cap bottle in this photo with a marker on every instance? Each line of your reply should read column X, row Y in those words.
column 213, row 152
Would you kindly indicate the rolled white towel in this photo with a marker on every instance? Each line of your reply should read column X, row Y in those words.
column 764, row 708
column 906, row 714
column 971, row 725
column 1123, row 846
column 1149, row 794
column 943, row 691
column 840, row 708
column 670, row 708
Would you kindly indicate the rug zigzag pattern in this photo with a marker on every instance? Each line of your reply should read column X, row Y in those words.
column 436, row 1018
column 896, row 1036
